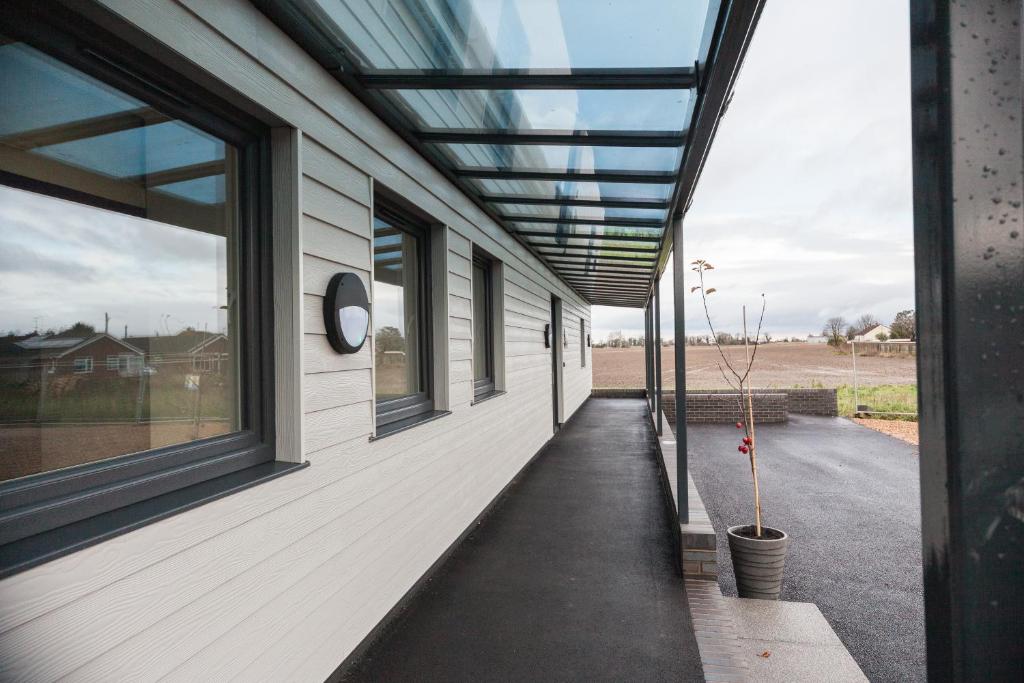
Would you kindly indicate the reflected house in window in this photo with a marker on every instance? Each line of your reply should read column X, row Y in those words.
column 26, row 356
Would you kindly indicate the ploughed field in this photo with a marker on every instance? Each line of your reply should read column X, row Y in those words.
column 779, row 365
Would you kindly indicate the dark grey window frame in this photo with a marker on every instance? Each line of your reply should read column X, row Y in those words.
column 400, row 413
column 486, row 386
column 50, row 514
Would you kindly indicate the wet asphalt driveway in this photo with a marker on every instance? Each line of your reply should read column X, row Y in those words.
column 849, row 499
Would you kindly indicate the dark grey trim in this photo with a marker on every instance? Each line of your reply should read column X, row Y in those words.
column 595, row 138
column 494, row 393
column 658, row 78
column 407, row 423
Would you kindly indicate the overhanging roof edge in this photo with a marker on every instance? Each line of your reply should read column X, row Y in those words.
column 739, row 19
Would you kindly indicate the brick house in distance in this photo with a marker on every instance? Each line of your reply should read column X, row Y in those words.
column 99, row 353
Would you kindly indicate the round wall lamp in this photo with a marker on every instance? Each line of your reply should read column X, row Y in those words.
column 346, row 313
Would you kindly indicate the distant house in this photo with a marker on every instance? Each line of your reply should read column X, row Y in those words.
column 100, row 354
column 872, row 333
column 817, row 339
column 189, row 350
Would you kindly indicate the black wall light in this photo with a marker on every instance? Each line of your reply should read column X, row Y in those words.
column 588, row 340
column 346, row 313
column 547, row 336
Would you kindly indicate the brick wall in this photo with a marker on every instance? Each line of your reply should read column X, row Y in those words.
column 802, row 401
column 721, row 407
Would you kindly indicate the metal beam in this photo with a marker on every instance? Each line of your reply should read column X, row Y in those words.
column 595, row 138
column 81, row 129
column 611, row 203
column 607, row 280
column 180, row 174
column 592, row 236
column 649, row 262
column 596, row 248
column 657, row 357
column 605, row 267
column 619, row 222
column 660, row 78
column 969, row 264
column 616, row 176
column 679, row 350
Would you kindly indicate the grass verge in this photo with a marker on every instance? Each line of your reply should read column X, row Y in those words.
column 886, row 398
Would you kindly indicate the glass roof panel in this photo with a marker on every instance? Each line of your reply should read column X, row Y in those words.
column 564, row 157
column 566, row 120
column 571, row 188
column 570, row 110
column 525, row 34
column 589, row 212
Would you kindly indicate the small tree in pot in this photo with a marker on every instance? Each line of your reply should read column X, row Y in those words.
column 758, row 552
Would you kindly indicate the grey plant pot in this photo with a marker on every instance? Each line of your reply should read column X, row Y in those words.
column 758, row 563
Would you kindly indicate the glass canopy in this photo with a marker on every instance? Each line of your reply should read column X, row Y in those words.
column 566, row 120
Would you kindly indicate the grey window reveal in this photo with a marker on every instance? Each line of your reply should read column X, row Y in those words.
column 401, row 318
column 483, row 326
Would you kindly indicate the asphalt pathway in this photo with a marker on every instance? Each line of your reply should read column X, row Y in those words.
column 849, row 499
column 572, row 577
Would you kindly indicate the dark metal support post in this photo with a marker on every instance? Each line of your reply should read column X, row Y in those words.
column 679, row 301
column 649, row 371
column 657, row 355
column 969, row 254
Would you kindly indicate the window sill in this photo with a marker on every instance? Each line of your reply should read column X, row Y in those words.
column 49, row 545
column 408, row 423
column 486, row 397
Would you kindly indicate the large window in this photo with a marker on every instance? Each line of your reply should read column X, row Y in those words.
column 131, row 252
column 483, row 327
column 401, row 318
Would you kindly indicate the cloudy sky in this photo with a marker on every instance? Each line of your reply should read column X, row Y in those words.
column 807, row 192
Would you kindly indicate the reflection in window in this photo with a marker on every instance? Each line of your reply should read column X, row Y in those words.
column 117, row 272
column 400, row 322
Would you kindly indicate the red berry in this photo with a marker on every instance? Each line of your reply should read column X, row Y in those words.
column 747, row 440
column 743, row 449
column 739, row 425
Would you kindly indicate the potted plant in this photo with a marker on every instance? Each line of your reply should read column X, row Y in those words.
column 758, row 552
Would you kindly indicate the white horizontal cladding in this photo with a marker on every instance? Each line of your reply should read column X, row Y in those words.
column 281, row 581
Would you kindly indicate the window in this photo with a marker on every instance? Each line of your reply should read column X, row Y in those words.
column 483, row 327
column 583, row 343
column 135, row 207
column 401, row 318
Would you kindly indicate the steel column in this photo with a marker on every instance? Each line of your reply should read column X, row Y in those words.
column 679, row 349
column 657, row 355
column 966, row 78
column 648, row 365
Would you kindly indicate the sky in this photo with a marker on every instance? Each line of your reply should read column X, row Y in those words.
column 807, row 193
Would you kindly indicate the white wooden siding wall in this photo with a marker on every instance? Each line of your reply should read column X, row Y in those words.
column 280, row 582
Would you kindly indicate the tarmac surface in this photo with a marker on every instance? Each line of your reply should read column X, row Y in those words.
column 849, row 499
column 572, row 576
